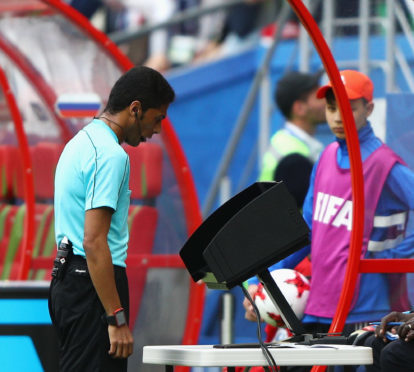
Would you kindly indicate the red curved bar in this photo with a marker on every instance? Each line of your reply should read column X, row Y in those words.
column 185, row 182
column 29, row 221
column 42, row 88
column 191, row 205
column 357, row 180
column 82, row 22
column 402, row 265
column 175, row 151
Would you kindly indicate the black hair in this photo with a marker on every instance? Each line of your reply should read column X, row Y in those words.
column 331, row 99
column 286, row 107
column 142, row 84
column 330, row 96
column 295, row 171
column 294, row 86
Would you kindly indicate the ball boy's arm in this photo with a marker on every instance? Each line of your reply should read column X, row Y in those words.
column 398, row 194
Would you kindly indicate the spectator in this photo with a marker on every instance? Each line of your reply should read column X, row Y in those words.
column 295, row 96
column 129, row 15
column 240, row 29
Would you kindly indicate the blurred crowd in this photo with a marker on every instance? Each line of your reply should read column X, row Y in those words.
column 214, row 35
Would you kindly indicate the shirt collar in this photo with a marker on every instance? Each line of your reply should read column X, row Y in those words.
column 364, row 134
column 314, row 145
column 107, row 128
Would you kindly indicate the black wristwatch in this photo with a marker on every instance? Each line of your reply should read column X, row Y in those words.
column 117, row 319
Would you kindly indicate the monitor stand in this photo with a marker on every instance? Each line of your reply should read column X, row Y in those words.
column 290, row 319
column 279, row 300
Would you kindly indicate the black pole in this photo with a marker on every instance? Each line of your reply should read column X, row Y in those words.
column 285, row 311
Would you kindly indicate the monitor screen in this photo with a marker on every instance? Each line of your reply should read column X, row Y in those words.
column 256, row 228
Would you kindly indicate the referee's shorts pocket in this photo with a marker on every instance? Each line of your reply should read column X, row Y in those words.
column 74, row 295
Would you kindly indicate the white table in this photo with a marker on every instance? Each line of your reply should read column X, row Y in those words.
column 291, row 355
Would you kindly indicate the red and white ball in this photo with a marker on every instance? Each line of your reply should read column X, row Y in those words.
column 294, row 286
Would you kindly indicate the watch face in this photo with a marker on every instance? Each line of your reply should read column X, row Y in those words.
column 120, row 318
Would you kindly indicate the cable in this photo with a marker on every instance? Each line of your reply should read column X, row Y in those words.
column 269, row 357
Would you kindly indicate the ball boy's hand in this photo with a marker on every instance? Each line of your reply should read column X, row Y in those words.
column 250, row 314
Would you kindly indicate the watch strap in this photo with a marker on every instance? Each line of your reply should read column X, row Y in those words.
column 117, row 318
column 111, row 320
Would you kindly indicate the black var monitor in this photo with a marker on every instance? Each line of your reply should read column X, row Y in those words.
column 253, row 230
column 256, row 228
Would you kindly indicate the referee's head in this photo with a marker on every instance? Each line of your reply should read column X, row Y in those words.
column 294, row 86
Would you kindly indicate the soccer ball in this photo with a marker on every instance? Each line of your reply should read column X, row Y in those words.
column 293, row 285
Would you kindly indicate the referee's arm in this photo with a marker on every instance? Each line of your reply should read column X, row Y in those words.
column 98, row 256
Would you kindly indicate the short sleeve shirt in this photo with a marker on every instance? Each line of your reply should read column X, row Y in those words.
column 93, row 172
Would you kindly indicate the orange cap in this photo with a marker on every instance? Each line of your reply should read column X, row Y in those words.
column 357, row 85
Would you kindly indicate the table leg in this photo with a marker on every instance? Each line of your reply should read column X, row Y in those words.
column 344, row 368
column 349, row 368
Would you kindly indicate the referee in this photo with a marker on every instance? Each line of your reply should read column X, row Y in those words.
column 88, row 300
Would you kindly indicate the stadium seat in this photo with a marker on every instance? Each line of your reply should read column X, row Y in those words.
column 44, row 161
column 142, row 227
column 145, row 184
column 146, row 170
column 12, row 218
column 17, row 179
column 45, row 156
column 45, row 245
column 11, row 246
column 11, row 215
column 8, row 155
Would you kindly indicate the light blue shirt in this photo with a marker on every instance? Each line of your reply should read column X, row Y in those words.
column 93, row 172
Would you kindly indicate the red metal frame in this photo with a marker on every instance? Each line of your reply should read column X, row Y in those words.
column 193, row 218
column 23, row 6
column 355, row 264
column 29, row 221
column 352, row 143
column 49, row 99
column 42, row 88
column 402, row 265
column 83, row 23
column 357, row 180
column 180, row 165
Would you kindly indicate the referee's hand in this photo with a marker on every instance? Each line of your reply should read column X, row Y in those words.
column 121, row 340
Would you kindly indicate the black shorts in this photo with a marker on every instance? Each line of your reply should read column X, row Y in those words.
column 79, row 319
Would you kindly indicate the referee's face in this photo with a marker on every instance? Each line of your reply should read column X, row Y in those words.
column 147, row 124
